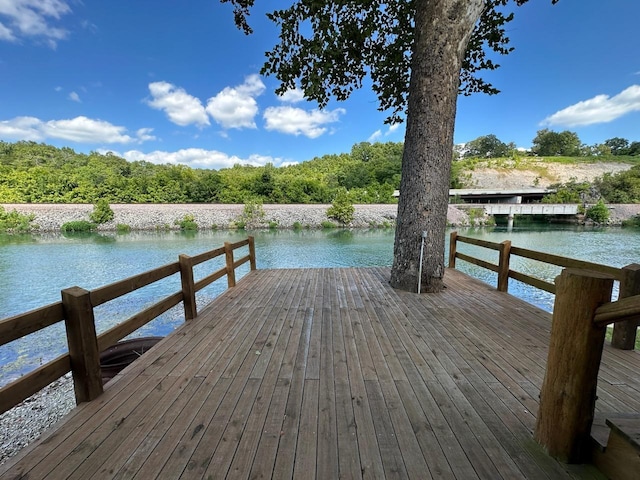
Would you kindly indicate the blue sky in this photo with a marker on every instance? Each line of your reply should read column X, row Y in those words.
column 175, row 82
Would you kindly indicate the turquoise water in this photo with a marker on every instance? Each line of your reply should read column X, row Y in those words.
column 34, row 268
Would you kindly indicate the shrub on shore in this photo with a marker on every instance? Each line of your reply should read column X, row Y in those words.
column 341, row 209
column 632, row 222
column 77, row 226
column 14, row 222
column 599, row 212
column 102, row 212
column 188, row 222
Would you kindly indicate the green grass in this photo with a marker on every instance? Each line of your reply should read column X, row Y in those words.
column 525, row 162
column 328, row 224
column 78, row 226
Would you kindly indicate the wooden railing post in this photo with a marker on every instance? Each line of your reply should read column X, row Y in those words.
column 624, row 333
column 503, row 266
column 188, row 287
column 83, row 343
column 453, row 240
column 252, row 252
column 231, row 272
column 568, row 394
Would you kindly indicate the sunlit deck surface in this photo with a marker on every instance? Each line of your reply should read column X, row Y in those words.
column 330, row 373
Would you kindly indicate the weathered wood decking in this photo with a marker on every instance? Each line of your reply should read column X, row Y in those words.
column 330, row 373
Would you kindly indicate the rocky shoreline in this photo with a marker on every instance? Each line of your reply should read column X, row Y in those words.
column 25, row 422
column 50, row 217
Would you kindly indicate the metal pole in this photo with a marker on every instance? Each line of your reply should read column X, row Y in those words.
column 424, row 234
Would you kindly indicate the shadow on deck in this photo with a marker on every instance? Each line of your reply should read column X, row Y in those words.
column 328, row 373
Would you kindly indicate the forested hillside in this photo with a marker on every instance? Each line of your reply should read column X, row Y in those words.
column 38, row 173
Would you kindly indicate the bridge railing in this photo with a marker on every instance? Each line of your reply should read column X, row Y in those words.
column 77, row 311
column 624, row 332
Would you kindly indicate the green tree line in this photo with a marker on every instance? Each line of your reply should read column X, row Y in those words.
column 38, row 173
column 549, row 143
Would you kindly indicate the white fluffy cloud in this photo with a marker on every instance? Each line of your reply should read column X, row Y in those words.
column 6, row 34
column 199, row 158
column 599, row 109
column 22, row 128
column 375, row 136
column 74, row 97
column 80, row 129
column 236, row 107
column 296, row 121
column 292, row 96
column 32, row 19
column 180, row 107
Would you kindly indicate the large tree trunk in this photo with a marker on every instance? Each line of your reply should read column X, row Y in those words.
column 443, row 29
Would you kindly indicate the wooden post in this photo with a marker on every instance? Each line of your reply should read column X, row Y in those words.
column 231, row 272
column 83, row 343
column 188, row 287
column 503, row 266
column 252, row 252
column 624, row 333
column 453, row 240
column 568, row 395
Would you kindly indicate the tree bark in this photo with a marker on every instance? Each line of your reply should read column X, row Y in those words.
column 443, row 29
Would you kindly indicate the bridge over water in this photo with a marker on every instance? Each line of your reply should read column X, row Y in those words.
column 512, row 209
column 525, row 208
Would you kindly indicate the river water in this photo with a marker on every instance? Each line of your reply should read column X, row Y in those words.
column 34, row 268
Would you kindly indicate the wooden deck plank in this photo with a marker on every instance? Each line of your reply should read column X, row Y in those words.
column 295, row 372
column 169, row 456
column 77, row 431
column 349, row 465
column 306, row 457
column 392, row 461
column 235, row 407
column 429, row 440
column 267, row 368
column 327, row 461
column 177, row 416
column 120, row 444
column 414, row 461
column 330, row 373
column 263, row 464
column 360, row 367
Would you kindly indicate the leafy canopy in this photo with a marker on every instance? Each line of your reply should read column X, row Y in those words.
column 548, row 142
column 329, row 48
column 487, row 146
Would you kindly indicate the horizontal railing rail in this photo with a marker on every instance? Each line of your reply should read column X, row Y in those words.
column 623, row 310
column 629, row 280
column 76, row 310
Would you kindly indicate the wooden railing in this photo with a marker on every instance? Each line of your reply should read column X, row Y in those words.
column 77, row 311
column 629, row 277
column 568, row 394
column 582, row 309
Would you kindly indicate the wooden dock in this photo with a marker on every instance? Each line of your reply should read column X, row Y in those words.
column 330, row 373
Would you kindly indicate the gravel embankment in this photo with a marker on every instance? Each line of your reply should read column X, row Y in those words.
column 25, row 422
column 50, row 217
